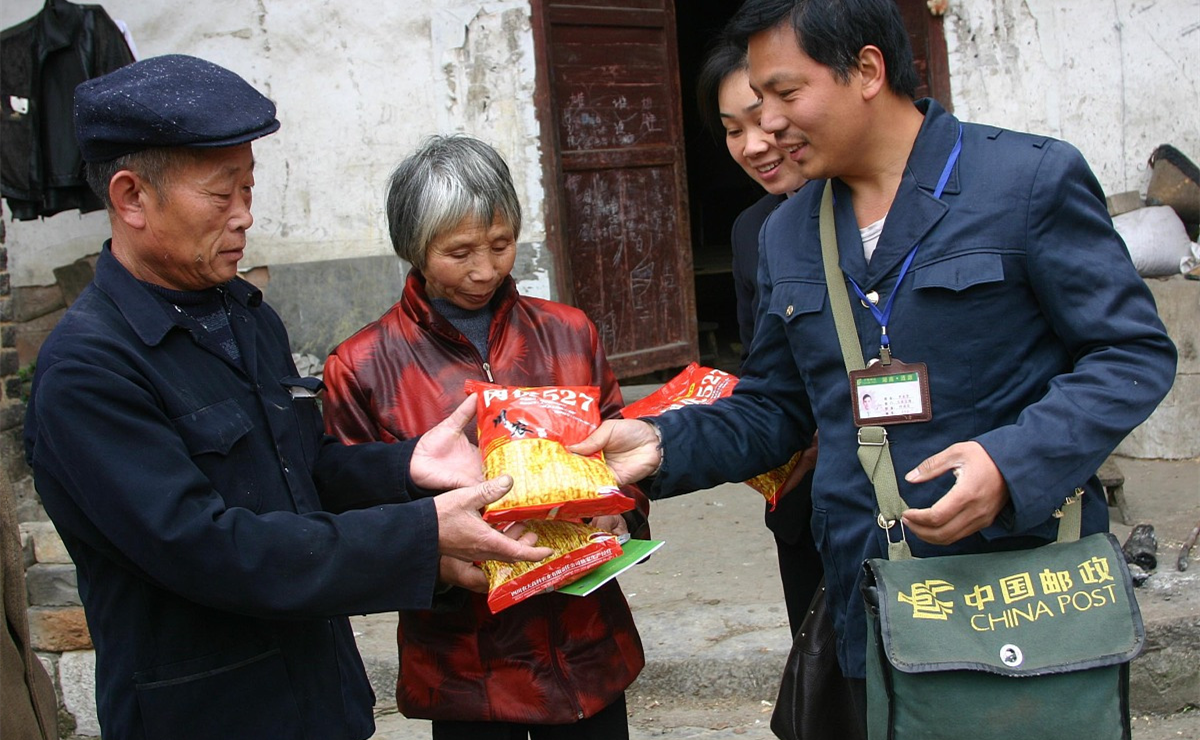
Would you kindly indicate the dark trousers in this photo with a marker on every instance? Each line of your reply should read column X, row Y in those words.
column 800, row 568
column 610, row 723
column 858, row 693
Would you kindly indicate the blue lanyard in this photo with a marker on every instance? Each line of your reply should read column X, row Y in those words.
column 886, row 314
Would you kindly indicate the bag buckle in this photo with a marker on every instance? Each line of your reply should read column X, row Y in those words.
column 880, row 442
column 887, row 524
column 1058, row 513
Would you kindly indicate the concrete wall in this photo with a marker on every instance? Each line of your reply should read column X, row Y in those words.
column 1171, row 432
column 358, row 84
column 1115, row 78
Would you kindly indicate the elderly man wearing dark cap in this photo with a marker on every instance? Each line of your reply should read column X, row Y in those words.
column 220, row 538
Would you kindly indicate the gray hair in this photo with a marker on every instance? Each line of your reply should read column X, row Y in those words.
column 156, row 166
column 445, row 180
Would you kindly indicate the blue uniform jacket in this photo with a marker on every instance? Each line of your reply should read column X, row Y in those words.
column 199, row 502
column 789, row 521
column 1042, row 344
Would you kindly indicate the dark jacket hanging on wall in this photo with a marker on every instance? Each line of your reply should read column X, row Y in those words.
column 41, row 62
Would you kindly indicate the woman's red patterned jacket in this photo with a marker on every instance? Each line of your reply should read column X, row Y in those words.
column 552, row 659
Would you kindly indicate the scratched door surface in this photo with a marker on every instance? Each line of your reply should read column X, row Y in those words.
column 928, row 39
column 616, row 185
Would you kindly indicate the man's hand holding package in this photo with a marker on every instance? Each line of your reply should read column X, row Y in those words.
column 444, row 458
column 467, row 574
column 463, row 534
column 630, row 448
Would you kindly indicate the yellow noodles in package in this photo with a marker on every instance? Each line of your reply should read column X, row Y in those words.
column 769, row 483
column 701, row 386
column 578, row 549
column 524, row 432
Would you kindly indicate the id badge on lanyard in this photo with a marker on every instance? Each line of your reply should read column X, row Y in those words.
column 896, row 393
column 889, row 391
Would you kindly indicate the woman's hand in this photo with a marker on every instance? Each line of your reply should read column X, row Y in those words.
column 614, row 523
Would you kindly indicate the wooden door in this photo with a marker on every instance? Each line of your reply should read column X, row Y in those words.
column 612, row 134
column 928, row 38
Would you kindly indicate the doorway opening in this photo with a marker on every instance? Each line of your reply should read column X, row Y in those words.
column 718, row 190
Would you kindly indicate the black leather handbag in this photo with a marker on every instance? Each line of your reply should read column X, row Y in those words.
column 815, row 701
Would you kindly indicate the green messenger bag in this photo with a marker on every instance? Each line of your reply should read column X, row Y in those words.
column 1026, row 644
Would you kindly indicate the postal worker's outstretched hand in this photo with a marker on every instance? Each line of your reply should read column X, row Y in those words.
column 630, row 448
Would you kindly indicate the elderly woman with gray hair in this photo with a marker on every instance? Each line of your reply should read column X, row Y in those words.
column 553, row 666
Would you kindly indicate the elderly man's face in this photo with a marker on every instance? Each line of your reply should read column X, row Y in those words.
column 196, row 233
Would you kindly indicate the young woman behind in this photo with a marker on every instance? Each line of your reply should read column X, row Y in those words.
column 730, row 108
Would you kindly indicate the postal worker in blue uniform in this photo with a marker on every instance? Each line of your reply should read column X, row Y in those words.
column 982, row 268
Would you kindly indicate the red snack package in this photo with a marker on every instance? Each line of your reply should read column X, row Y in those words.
column 697, row 385
column 524, row 432
column 578, row 549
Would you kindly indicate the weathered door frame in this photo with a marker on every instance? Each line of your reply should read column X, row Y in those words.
column 928, row 38
column 559, row 163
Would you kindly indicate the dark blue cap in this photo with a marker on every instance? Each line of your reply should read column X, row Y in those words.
column 172, row 100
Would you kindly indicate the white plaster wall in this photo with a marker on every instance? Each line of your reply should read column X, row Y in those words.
column 1116, row 78
column 357, row 84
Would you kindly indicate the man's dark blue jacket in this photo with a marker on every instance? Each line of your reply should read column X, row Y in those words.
column 1042, row 344
column 200, row 502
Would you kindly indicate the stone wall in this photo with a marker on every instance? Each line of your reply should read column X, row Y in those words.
column 1173, row 432
column 57, row 628
column 37, row 308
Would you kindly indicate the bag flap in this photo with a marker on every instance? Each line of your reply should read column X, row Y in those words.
column 1052, row 609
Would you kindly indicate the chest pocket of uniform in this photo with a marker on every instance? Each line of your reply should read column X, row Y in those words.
column 791, row 300
column 213, row 429
column 960, row 272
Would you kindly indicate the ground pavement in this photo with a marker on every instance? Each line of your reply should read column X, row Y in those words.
column 710, row 611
